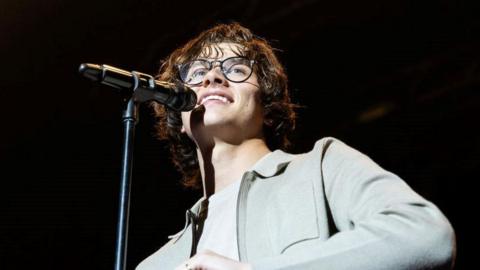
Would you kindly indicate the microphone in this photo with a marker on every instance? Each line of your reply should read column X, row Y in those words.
column 142, row 86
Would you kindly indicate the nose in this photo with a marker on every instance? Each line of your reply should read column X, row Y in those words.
column 214, row 76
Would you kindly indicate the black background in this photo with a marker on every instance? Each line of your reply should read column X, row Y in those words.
column 397, row 80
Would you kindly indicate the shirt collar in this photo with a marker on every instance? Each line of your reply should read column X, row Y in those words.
column 272, row 164
column 269, row 165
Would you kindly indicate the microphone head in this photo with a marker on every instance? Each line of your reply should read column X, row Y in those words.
column 91, row 71
column 185, row 98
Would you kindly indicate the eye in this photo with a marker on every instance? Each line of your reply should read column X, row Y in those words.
column 238, row 69
column 196, row 73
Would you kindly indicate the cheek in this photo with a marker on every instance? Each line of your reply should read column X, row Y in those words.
column 252, row 108
column 254, row 99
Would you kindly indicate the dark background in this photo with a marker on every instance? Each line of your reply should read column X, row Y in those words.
column 395, row 79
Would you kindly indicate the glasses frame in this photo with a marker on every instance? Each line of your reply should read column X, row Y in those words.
column 211, row 66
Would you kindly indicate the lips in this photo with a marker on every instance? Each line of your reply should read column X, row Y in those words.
column 219, row 95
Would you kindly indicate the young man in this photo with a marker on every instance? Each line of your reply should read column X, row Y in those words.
column 330, row 208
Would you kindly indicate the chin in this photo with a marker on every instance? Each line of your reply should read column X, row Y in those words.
column 214, row 122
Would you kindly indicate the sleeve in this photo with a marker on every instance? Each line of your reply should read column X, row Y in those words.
column 382, row 222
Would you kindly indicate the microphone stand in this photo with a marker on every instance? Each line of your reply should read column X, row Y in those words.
column 129, row 119
column 142, row 88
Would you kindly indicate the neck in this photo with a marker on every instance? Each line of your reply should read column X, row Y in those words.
column 224, row 163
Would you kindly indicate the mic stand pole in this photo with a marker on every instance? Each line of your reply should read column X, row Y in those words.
column 129, row 119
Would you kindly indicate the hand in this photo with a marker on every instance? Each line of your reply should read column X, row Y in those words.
column 209, row 260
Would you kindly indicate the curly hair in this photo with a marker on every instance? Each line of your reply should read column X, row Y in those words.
column 279, row 114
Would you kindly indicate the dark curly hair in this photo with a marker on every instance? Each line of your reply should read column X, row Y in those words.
column 279, row 114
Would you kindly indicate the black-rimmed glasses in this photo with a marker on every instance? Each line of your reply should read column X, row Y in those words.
column 235, row 69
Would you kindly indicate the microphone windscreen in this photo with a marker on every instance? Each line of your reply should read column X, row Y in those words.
column 91, row 71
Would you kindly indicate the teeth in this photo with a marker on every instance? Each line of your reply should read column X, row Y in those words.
column 215, row 97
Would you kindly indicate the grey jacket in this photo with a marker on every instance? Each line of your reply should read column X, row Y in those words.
column 332, row 208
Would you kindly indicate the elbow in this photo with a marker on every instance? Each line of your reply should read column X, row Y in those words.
column 444, row 246
column 426, row 239
column 435, row 245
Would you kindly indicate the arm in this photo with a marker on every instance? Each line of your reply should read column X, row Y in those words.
column 383, row 223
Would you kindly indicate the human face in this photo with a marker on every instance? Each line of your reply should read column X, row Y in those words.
column 225, row 109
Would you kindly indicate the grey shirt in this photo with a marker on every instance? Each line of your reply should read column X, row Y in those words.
column 331, row 208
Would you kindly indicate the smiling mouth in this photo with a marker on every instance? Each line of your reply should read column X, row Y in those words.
column 216, row 97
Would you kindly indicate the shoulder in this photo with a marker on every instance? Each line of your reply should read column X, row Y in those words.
column 329, row 150
column 329, row 146
column 334, row 154
column 327, row 154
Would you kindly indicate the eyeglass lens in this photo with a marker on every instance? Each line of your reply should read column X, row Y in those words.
column 235, row 69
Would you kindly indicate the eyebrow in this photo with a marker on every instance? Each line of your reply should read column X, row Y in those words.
column 217, row 59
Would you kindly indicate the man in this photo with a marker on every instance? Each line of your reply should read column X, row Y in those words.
column 330, row 208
